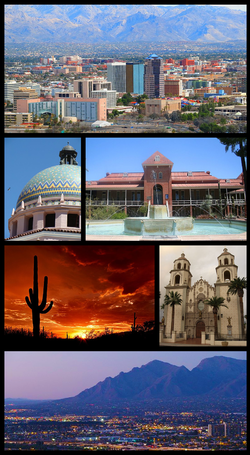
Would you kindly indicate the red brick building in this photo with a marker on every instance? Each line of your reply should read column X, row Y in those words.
column 185, row 192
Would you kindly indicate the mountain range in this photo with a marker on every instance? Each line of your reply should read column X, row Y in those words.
column 122, row 23
column 215, row 379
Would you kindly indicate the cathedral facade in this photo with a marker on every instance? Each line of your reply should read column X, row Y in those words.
column 194, row 316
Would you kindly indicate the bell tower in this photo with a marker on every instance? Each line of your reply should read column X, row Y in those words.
column 158, row 180
column 226, row 271
column 180, row 281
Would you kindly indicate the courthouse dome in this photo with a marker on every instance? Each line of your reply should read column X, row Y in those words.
column 52, row 182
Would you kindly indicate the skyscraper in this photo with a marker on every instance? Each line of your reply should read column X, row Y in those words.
column 135, row 78
column 116, row 73
column 153, row 76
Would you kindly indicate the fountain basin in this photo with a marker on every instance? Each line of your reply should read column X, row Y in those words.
column 157, row 226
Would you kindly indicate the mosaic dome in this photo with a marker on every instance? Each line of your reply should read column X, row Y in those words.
column 52, row 182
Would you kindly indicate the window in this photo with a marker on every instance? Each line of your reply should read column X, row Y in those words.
column 73, row 220
column 177, row 279
column 160, row 175
column 227, row 275
column 30, row 224
column 225, row 261
column 179, row 265
column 50, row 220
column 157, row 157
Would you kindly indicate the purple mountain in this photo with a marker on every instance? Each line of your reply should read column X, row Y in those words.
column 221, row 376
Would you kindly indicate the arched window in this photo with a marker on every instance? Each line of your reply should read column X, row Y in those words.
column 184, row 266
column 226, row 275
column 30, row 223
column 179, row 266
column 225, row 261
column 177, row 279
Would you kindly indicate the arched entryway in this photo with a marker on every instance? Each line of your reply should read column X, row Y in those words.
column 158, row 197
column 200, row 327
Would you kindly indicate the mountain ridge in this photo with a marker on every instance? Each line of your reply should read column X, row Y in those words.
column 122, row 23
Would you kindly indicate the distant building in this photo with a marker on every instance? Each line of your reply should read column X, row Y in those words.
column 88, row 110
column 157, row 106
column 110, row 96
column 86, row 86
column 173, row 87
column 135, row 78
column 23, row 93
column 154, row 77
column 116, row 74
column 218, row 429
column 224, row 429
column 14, row 118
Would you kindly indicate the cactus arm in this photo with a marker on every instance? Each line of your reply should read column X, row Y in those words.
column 28, row 302
column 43, row 302
column 47, row 309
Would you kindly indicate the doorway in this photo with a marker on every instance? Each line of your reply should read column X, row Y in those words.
column 158, row 198
column 200, row 327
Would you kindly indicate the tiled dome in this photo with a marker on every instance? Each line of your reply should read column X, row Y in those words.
column 53, row 182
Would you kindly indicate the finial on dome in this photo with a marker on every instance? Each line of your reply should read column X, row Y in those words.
column 68, row 155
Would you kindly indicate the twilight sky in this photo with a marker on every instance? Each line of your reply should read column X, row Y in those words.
column 92, row 287
column 203, row 261
column 54, row 375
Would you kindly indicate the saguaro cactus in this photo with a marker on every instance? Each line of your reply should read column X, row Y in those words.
column 32, row 302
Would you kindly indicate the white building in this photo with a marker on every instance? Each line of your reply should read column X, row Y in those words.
column 116, row 74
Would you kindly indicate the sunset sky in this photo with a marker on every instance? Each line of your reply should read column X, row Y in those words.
column 92, row 287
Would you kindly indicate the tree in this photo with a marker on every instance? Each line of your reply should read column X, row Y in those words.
column 172, row 299
column 238, row 146
column 237, row 286
column 215, row 303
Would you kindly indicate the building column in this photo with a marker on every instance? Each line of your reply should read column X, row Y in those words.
column 61, row 218
column 107, row 197
column 191, row 208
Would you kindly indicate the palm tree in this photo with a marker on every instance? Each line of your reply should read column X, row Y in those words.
column 237, row 286
column 172, row 299
column 215, row 303
column 238, row 146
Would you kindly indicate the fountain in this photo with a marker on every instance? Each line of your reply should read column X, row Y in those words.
column 157, row 222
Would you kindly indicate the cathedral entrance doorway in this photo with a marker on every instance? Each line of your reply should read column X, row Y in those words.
column 200, row 327
column 158, row 198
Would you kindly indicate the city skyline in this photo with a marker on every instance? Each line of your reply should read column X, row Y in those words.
column 69, row 373
column 92, row 287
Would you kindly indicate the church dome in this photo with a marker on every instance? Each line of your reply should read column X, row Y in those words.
column 52, row 182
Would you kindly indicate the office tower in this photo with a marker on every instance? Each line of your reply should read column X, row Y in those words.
column 116, row 74
column 135, row 78
column 154, row 77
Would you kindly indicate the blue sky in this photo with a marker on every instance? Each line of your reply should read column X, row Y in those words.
column 24, row 158
column 188, row 154
column 69, row 373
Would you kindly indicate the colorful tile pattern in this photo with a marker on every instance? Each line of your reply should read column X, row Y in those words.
column 53, row 181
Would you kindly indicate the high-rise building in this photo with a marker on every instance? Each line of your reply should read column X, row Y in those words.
column 116, row 74
column 154, row 77
column 135, row 78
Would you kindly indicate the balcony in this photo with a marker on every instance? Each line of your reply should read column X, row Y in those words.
column 114, row 203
